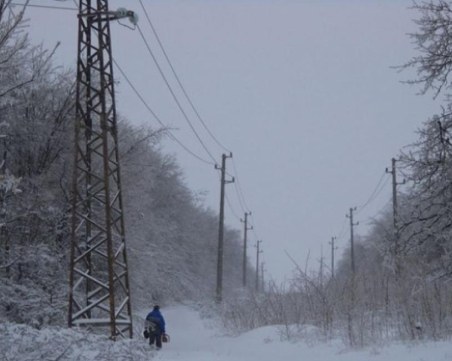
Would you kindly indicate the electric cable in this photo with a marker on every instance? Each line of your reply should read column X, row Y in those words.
column 239, row 189
column 172, row 136
column 242, row 206
column 342, row 232
column 179, row 81
column 237, row 186
column 174, row 94
column 254, row 228
column 230, row 207
column 378, row 189
column 374, row 196
column 43, row 6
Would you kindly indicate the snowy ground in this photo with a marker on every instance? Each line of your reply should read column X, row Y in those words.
column 192, row 339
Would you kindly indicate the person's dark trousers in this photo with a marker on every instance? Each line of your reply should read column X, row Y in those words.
column 157, row 338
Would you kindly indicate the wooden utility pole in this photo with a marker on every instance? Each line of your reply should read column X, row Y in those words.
column 99, row 292
column 258, row 251
column 262, row 277
column 333, row 249
column 352, row 242
column 219, row 291
column 245, row 231
column 351, row 334
column 395, row 215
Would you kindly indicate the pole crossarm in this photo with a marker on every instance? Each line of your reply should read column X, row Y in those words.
column 99, row 292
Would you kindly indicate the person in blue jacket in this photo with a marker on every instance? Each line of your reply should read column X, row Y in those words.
column 155, row 324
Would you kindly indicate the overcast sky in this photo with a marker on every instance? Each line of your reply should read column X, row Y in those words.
column 302, row 92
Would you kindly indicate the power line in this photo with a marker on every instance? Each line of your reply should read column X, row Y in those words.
column 231, row 208
column 242, row 206
column 342, row 232
column 172, row 136
column 254, row 227
column 178, row 79
column 133, row 88
column 174, row 95
column 378, row 189
column 239, row 197
column 239, row 189
column 44, row 6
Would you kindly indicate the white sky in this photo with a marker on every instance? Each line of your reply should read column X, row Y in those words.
column 302, row 93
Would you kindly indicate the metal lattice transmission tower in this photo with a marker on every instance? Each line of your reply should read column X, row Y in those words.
column 99, row 294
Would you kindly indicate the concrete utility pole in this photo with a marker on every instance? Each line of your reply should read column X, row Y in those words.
column 321, row 264
column 99, row 292
column 219, row 293
column 262, row 277
column 245, row 231
column 352, row 242
column 395, row 215
column 258, row 251
column 333, row 249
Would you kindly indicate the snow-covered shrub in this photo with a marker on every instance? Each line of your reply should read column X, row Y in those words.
column 36, row 291
column 24, row 343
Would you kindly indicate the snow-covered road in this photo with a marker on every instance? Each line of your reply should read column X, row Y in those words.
column 193, row 340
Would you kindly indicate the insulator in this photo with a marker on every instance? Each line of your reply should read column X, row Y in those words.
column 124, row 13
